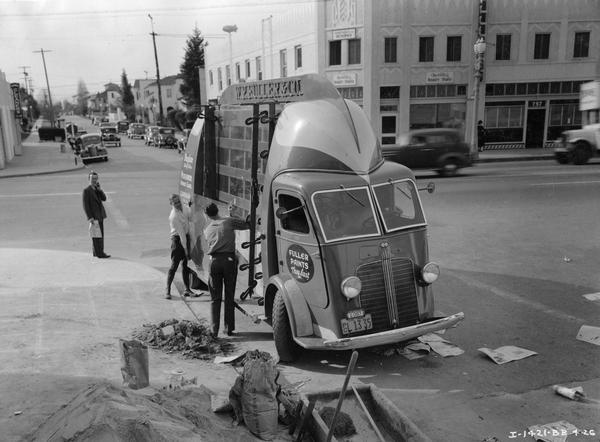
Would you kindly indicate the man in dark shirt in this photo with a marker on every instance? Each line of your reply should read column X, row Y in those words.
column 93, row 196
column 481, row 133
column 220, row 237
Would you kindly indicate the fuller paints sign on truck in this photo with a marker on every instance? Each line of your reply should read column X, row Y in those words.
column 337, row 250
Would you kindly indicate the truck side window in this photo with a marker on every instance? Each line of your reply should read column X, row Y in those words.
column 295, row 218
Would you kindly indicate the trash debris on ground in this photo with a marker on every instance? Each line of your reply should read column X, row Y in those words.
column 552, row 432
column 177, row 380
column 567, row 259
column 229, row 359
column 440, row 345
column 414, row 350
column 592, row 296
column 574, row 393
column 191, row 339
column 343, row 427
column 134, row 363
column 219, row 403
column 508, row 353
column 17, row 413
column 588, row 333
column 419, row 348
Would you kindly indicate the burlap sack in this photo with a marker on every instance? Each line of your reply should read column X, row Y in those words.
column 134, row 364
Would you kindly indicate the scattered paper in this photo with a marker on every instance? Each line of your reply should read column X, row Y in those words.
column 431, row 337
column 590, row 334
column 445, row 349
column 592, row 296
column 414, row 350
column 228, row 359
column 508, row 353
column 553, row 432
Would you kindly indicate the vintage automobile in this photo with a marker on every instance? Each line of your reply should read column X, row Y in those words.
column 89, row 148
column 165, row 137
column 136, row 130
column 122, row 127
column 442, row 150
column 151, row 131
column 110, row 137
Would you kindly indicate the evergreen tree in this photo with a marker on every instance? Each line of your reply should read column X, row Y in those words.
column 127, row 99
column 82, row 96
column 192, row 60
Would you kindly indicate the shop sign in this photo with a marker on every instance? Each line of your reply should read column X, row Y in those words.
column 439, row 77
column 17, row 99
column 344, row 79
column 188, row 175
column 589, row 96
column 344, row 34
column 537, row 104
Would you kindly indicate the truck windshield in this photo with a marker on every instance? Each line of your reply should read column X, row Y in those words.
column 399, row 204
column 345, row 213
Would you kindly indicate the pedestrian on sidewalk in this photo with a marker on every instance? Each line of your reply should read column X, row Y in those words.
column 179, row 222
column 93, row 207
column 220, row 236
column 481, row 134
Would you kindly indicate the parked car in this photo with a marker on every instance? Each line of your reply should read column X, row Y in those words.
column 89, row 147
column 122, row 127
column 442, row 150
column 151, row 131
column 165, row 137
column 109, row 136
column 136, row 130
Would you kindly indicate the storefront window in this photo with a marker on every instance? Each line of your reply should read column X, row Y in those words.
column 451, row 115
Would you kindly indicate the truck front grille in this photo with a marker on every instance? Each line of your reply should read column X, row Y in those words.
column 382, row 300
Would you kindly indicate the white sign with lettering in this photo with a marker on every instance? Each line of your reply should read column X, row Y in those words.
column 589, row 96
column 343, row 34
column 344, row 79
column 439, row 77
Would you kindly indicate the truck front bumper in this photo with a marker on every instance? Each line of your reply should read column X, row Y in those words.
column 386, row 337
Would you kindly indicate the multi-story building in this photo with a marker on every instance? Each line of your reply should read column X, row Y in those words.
column 145, row 93
column 516, row 65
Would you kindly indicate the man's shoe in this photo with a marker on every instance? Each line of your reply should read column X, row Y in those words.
column 231, row 333
column 168, row 296
column 196, row 294
column 104, row 256
column 187, row 293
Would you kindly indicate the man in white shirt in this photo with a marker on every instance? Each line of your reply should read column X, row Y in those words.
column 180, row 245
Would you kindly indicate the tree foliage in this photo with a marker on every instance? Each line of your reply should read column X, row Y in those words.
column 82, row 97
column 192, row 60
column 127, row 100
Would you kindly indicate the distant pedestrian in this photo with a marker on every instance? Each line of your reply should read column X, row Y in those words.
column 93, row 196
column 481, row 134
column 220, row 236
column 180, row 245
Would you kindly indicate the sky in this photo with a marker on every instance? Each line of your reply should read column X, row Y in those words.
column 94, row 41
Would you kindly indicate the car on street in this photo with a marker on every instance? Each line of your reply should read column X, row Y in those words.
column 109, row 136
column 165, row 137
column 89, row 148
column 151, row 131
column 440, row 149
column 136, row 130
column 122, row 127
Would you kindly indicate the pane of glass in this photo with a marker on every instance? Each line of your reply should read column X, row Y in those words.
column 516, row 116
column 422, row 115
column 354, row 51
column 237, row 159
column 388, row 125
column 295, row 219
column 491, row 117
column 555, row 87
column 532, row 88
column 555, row 114
column 509, row 89
column 399, row 205
column 345, row 213
column 503, row 116
column 521, row 88
column 335, row 52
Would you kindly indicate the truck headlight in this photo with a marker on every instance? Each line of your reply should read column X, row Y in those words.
column 430, row 272
column 351, row 287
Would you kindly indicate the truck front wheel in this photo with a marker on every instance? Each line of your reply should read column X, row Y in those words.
column 286, row 347
column 581, row 154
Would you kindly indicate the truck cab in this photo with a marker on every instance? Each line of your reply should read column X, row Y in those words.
column 338, row 237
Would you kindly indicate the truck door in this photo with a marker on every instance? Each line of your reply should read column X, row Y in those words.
column 298, row 247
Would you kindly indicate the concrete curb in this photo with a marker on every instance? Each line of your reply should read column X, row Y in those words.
column 46, row 172
column 515, row 158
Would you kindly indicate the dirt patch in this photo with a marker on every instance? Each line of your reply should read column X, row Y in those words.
column 189, row 339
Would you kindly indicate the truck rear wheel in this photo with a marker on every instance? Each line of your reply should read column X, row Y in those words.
column 581, row 154
column 286, row 347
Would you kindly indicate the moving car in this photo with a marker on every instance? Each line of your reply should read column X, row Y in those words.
column 165, row 137
column 136, row 130
column 110, row 137
column 151, row 131
column 89, row 147
column 122, row 127
column 442, row 150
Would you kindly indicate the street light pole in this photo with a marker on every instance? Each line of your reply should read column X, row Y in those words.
column 479, row 50
column 229, row 29
column 47, row 85
column 160, row 106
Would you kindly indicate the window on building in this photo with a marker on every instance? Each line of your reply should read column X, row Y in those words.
column 298, row 56
column 259, row 73
column 210, row 77
column 335, row 53
column 453, row 48
column 541, row 48
column 247, row 63
column 220, row 78
column 169, row 92
column 582, row 44
column 438, row 115
column 354, row 51
column 386, row 92
column 425, row 49
column 283, row 62
column 509, row 116
column 564, row 113
column 388, row 129
column 390, row 49
column 238, row 73
column 503, row 46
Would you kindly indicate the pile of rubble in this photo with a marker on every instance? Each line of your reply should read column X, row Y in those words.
column 192, row 339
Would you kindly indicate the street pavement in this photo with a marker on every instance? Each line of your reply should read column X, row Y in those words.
column 63, row 313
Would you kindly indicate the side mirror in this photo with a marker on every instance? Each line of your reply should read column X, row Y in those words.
column 430, row 187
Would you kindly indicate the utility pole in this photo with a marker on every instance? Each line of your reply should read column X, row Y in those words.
column 160, row 106
column 25, row 75
column 27, row 80
column 47, row 85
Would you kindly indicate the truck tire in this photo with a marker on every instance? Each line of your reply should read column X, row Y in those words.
column 286, row 347
column 581, row 154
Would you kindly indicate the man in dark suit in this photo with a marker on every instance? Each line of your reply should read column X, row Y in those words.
column 93, row 196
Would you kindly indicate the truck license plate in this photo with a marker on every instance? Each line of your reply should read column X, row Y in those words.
column 356, row 324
